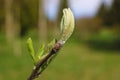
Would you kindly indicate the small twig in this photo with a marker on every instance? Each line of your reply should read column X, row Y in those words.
column 35, row 73
column 67, row 28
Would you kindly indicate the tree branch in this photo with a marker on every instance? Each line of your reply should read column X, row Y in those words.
column 35, row 73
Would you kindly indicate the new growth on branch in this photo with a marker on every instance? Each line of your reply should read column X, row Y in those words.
column 46, row 54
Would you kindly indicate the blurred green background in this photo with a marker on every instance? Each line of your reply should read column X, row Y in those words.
column 92, row 52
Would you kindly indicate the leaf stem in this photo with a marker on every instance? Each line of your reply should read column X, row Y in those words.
column 35, row 73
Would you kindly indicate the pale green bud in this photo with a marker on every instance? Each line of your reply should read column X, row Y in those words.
column 67, row 25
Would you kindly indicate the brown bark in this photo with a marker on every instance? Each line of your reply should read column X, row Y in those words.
column 17, row 42
column 9, row 21
column 12, row 25
column 42, row 26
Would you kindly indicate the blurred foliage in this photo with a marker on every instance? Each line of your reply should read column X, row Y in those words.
column 82, row 62
column 1, row 13
column 29, row 14
column 110, row 16
column 105, row 40
column 85, row 27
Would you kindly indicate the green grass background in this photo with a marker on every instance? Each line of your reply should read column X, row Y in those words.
column 76, row 61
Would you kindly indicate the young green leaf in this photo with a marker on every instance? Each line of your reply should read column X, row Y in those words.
column 40, row 52
column 50, row 46
column 46, row 54
column 31, row 49
column 47, row 50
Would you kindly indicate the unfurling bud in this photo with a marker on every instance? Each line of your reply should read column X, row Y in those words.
column 67, row 25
